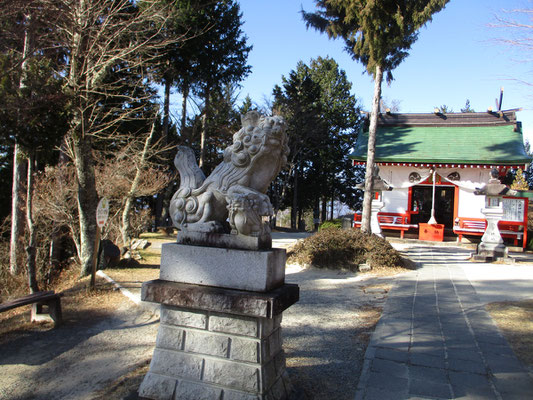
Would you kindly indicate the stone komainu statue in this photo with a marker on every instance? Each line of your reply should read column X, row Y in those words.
column 237, row 186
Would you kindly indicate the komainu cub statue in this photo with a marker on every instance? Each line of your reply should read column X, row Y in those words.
column 236, row 188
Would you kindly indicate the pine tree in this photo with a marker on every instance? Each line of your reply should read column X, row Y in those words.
column 222, row 61
column 322, row 123
column 379, row 35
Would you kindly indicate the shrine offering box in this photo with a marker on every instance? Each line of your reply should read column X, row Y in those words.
column 431, row 232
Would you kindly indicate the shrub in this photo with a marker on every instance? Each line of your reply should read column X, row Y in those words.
column 345, row 249
column 334, row 223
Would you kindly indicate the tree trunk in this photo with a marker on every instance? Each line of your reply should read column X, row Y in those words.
column 324, row 213
column 316, row 213
column 166, row 197
column 367, row 199
column 203, row 138
column 294, row 208
column 185, row 95
column 133, row 189
column 87, row 200
column 17, row 217
column 76, row 239
column 17, row 225
column 160, row 207
column 166, row 111
column 332, row 206
column 30, row 249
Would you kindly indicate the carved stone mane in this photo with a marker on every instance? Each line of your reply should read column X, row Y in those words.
column 237, row 186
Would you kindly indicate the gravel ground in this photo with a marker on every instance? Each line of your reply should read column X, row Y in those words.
column 325, row 336
column 76, row 359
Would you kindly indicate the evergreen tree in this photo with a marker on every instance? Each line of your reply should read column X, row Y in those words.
column 214, row 55
column 341, row 115
column 297, row 102
column 222, row 61
column 379, row 35
column 176, row 66
column 322, row 124
column 32, row 110
column 444, row 109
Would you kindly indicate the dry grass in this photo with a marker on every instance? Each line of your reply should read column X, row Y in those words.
column 79, row 305
column 133, row 277
column 159, row 236
column 407, row 264
column 515, row 320
column 150, row 256
column 333, row 248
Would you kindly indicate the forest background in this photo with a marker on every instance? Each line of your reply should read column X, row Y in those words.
column 85, row 113
column 81, row 119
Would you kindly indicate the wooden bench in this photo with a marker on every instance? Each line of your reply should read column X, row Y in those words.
column 513, row 230
column 51, row 300
column 394, row 221
column 477, row 226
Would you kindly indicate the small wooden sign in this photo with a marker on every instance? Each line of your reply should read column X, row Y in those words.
column 102, row 212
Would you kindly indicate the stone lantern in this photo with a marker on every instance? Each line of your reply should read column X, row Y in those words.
column 378, row 186
column 492, row 247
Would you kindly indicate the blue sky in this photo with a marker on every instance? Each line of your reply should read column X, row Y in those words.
column 454, row 59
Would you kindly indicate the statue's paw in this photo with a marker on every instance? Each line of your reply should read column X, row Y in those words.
column 262, row 205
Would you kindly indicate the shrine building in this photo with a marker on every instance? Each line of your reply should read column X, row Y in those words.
column 436, row 161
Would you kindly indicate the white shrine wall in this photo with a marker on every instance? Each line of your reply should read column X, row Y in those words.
column 396, row 201
column 470, row 205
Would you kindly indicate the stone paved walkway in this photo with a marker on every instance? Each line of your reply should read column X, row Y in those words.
column 435, row 340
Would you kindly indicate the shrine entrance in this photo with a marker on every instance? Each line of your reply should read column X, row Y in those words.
column 421, row 202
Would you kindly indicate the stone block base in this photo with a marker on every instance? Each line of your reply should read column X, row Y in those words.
column 489, row 252
column 208, row 355
column 251, row 270
column 216, row 343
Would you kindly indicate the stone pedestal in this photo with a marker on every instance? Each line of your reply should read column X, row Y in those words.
column 491, row 247
column 220, row 334
column 216, row 343
column 256, row 270
column 375, row 228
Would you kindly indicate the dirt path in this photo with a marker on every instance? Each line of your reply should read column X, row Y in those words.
column 78, row 358
column 326, row 333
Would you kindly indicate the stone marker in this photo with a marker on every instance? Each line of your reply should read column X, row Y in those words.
column 222, row 286
column 492, row 247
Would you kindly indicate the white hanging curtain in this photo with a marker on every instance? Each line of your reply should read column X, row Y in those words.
column 401, row 177
column 404, row 177
column 469, row 179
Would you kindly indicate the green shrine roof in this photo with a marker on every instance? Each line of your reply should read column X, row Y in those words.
column 474, row 138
